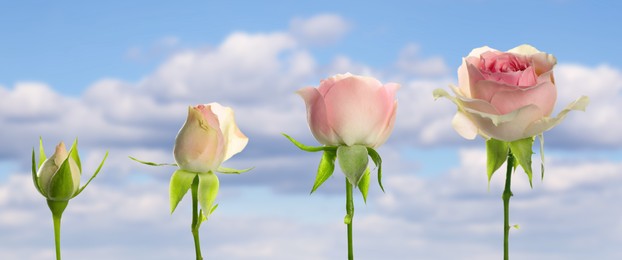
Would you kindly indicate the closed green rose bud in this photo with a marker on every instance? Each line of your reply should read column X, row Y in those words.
column 59, row 175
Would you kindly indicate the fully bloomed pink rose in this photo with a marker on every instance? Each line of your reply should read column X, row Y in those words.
column 348, row 109
column 506, row 95
column 209, row 137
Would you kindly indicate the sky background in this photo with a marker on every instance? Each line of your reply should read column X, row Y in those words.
column 120, row 76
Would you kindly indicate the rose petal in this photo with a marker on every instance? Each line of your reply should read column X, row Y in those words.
column 357, row 108
column 386, row 132
column 327, row 84
column 547, row 123
column 543, row 95
column 462, row 101
column 543, row 62
column 234, row 138
column 317, row 116
column 524, row 49
column 527, row 78
column 464, row 126
column 463, row 79
column 199, row 144
column 509, row 127
column 479, row 51
column 486, row 89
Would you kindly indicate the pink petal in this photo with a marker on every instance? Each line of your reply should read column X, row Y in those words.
column 327, row 84
column 357, row 109
column 543, row 95
column 386, row 132
column 478, row 105
column 464, row 82
column 199, row 144
column 528, row 77
column 317, row 116
column 487, row 89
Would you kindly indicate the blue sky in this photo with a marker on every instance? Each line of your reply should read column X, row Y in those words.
column 120, row 77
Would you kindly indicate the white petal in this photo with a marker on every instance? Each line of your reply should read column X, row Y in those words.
column 547, row 123
column 464, row 126
column 524, row 49
column 234, row 138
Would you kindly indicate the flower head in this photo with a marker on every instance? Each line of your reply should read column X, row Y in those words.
column 350, row 110
column 209, row 137
column 507, row 96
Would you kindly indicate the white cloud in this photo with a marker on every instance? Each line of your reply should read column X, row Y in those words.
column 242, row 67
column 32, row 100
column 321, row 29
column 599, row 126
column 411, row 63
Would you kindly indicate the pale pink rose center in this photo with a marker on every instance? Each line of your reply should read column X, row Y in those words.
column 507, row 68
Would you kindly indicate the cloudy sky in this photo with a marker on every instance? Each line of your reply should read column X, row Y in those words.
column 119, row 76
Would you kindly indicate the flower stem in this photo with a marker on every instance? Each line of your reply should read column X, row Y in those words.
column 349, row 216
column 507, row 194
column 57, row 208
column 196, row 218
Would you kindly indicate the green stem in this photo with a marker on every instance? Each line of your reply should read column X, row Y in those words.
column 196, row 218
column 57, row 235
column 507, row 194
column 349, row 216
column 57, row 208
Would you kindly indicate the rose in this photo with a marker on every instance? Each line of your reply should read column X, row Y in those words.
column 58, row 179
column 351, row 110
column 507, row 96
column 209, row 137
column 350, row 115
column 53, row 172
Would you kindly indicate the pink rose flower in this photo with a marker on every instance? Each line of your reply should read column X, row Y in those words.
column 349, row 109
column 507, row 96
column 209, row 137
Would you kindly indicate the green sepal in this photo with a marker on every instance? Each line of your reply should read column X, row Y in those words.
column 61, row 183
column 522, row 151
column 203, row 217
column 35, row 178
column 179, row 185
column 208, row 189
column 232, row 171
column 42, row 156
column 353, row 161
column 152, row 163
column 325, row 169
column 364, row 184
column 309, row 148
column 496, row 155
column 213, row 209
column 101, row 164
column 74, row 154
column 378, row 162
